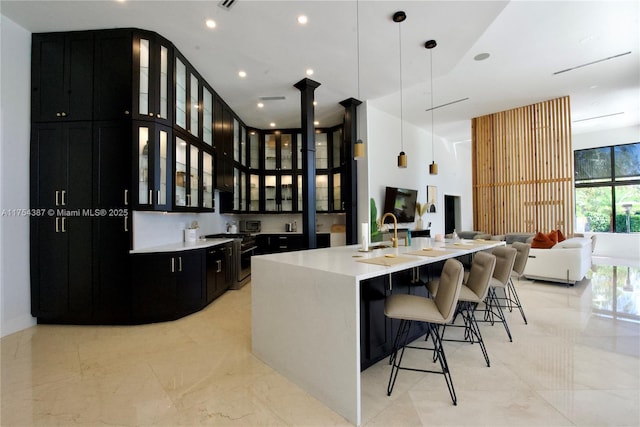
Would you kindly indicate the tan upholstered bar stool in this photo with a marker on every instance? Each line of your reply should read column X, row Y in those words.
column 472, row 293
column 518, row 268
column 434, row 312
column 505, row 258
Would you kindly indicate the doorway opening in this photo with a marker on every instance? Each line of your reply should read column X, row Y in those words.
column 452, row 214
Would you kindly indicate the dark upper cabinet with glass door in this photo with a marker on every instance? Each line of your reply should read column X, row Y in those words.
column 188, row 114
column 152, row 78
column 152, row 166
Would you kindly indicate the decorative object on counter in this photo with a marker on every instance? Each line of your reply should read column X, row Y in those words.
column 399, row 17
column 432, row 197
column 365, row 236
column 191, row 233
column 232, row 227
column 421, row 209
column 433, row 167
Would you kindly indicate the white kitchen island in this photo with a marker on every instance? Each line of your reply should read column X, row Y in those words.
column 306, row 313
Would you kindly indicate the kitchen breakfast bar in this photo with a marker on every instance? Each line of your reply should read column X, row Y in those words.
column 307, row 319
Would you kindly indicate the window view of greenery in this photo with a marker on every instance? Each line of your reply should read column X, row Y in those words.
column 607, row 183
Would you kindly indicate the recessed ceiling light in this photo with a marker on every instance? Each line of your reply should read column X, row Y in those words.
column 481, row 56
column 309, row 72
column 315, row 103
column 242, row 74
column 260, row 105
column 211, row 23
column 272, row 124
column 302, row 19
column 316, row 123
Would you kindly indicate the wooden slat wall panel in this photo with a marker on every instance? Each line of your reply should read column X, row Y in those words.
column 523, row 169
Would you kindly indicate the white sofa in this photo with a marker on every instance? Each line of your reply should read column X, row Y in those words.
column 566, row 262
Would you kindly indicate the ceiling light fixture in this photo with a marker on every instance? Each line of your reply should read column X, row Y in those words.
column 399, row 17
column 260, row 105
column 272, row 124
column 433, row 167
column 358, row 146
column 242, row 74
column 309, row 72
column 302, row 19
column 210, row 23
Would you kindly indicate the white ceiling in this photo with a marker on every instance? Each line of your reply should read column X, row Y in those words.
column 527, row 43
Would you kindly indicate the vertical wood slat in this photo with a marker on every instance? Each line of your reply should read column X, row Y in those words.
column 523, row 169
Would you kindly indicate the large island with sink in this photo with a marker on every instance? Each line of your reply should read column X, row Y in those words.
column 307, row 310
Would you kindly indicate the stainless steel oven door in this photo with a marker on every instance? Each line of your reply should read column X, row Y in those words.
column 243, row 268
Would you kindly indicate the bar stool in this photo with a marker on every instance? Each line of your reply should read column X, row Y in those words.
column 505, row 258
column 434, row 312
column 518, row 268
column 472, row 293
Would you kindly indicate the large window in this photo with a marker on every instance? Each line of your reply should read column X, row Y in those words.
column 607, row 181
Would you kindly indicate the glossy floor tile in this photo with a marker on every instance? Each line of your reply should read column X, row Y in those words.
column 577, row 363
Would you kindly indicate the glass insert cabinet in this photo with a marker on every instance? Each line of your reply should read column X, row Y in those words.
column 268, row 171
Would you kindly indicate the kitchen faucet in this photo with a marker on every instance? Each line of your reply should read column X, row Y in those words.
column 394, row 239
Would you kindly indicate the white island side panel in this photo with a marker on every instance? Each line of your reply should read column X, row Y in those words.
column 305, row 325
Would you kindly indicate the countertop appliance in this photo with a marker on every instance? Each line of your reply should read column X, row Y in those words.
column 250, row 226
column 244, row 246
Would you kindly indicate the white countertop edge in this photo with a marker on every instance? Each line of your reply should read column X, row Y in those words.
column 182, row 246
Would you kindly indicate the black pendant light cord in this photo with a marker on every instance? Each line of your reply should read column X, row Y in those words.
column 401, row 121
column 358, row 44
column 433, row 157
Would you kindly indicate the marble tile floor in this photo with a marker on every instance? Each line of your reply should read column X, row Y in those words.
column 570, row 366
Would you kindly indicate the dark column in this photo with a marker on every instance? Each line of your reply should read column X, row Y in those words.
column 350, row 177
column 306, row 87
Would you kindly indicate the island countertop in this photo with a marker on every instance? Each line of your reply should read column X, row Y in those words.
column 351, row 261
column 306, row 312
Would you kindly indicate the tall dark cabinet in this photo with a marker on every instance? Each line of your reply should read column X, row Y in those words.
column 120, row 121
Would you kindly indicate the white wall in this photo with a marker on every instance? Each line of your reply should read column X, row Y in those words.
column 604, row 138
column 15, row 69
column 383, row 146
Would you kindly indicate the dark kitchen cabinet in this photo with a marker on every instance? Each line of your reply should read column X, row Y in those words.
column 152, row 166
column 112, row 82
column 62, row 77
column 274, row 243
column 219, row 270
column 376, row 333
column 111, row 230
column 166, row 286
column 61, row 185
column 152, row 78
column 223, row 144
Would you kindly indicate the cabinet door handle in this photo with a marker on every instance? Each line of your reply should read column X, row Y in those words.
column 64, row 220
column 126, row 112
column 158, row 199
column 58, row 115
column 390, row 283
column 126, row 224
column 188, row 199
column 173, row 265
column 64, row 202
column 150, row 114
column 150, row 197
column 219, row 266
column 57, row 198
column 179, row 263
column 57, row 225
column 126, row 197
column 63, row 114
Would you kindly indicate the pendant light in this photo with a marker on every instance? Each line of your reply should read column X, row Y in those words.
column 399, row 17
column 433, row 167
column 358, row 147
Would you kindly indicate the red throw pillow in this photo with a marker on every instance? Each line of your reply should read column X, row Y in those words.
column 542, row 241
column 553, row 236
column 560, row 236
